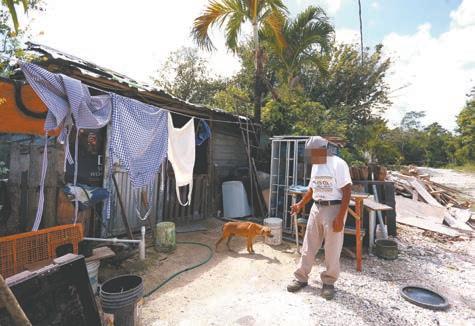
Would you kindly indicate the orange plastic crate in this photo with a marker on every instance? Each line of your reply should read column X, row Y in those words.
column 19, row 250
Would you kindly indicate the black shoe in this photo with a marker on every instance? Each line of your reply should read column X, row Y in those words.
column 295, row 285
column 328, row 291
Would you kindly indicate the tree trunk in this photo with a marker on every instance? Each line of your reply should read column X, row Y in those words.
column 258, row 75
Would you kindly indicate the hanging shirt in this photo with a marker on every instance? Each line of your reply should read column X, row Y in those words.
column 203, row 132
column 326, row 180
column 181, row 154
column 139, row 138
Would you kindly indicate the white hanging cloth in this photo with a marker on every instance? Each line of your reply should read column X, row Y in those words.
column 181, row 154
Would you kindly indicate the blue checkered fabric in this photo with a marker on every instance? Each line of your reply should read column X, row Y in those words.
column 139, row 138
column 65, row 96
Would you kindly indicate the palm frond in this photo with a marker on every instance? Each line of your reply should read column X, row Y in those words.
column 25, row 4
column 273, row 21
column 215, row 13
column 233, row 28
column 11, row 9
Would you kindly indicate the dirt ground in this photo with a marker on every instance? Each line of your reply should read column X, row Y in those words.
column 236, row 288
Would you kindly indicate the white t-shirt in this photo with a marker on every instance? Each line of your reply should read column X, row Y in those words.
column 326, row 180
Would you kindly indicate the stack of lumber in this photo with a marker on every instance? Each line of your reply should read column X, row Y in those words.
column 431, row 206
column 421, row 187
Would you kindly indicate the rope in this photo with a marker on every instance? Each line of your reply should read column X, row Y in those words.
column 168, row 279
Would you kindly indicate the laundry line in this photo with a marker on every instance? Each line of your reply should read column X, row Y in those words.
column 144, row 100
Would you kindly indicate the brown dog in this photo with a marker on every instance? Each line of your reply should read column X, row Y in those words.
column 243, row 229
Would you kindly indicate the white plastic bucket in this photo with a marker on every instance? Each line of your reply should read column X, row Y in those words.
column 275, row 225
column 235, row 202
column 92, row 271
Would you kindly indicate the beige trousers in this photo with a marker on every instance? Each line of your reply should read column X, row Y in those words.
column 319, row 228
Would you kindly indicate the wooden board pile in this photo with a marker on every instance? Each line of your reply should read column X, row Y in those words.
column 433, row 206
column 410, row 183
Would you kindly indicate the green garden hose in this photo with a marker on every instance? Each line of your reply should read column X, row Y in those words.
column 186, row 269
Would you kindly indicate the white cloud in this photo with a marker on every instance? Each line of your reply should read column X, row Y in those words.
column 375, row 5
column 130, row 37
column 464, row 15
column 347, row 35
column 438, row 71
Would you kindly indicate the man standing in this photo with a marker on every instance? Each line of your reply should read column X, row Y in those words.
column 330, row 190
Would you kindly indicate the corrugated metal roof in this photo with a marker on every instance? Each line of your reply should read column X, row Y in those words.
column 88, row 69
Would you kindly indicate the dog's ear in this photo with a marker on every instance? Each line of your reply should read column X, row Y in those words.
column 265, row 229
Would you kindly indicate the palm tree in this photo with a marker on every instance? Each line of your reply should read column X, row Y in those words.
column 308, row 37
column 11, row 8
column 233, row 14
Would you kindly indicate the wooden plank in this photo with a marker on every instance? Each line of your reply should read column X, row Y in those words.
column 420, row 188
column 427, row 225
column 450, row 220
column 100, row 253
column 375, row 206
column 406, row 207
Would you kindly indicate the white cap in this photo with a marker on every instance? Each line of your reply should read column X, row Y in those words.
column 316, row 142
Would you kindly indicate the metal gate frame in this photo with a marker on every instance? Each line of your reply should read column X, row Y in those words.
column 286, row 156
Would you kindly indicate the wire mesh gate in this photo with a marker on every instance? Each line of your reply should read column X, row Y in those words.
column 288, row 168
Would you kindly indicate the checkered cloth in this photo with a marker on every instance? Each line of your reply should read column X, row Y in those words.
column 139, row 138
column 66, row 98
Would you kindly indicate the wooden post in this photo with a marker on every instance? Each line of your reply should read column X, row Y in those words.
column 9, row 301
column 359, row 210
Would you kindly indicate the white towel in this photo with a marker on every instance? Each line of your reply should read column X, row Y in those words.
column 181, row 154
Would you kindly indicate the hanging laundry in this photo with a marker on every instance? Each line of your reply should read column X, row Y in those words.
column 181, row 154
column 66, row 98
column 87, row 196
column 203, row 132
column 139, row 137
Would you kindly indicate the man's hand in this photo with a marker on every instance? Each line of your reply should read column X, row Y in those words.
column 338, row 224
column 296, row 209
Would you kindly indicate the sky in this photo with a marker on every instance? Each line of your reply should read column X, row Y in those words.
column 430, row 42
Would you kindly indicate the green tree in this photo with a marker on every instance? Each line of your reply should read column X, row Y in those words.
column 308, row 37
column 465, row 152
column 185, row 75
column 11, row 37
column 438, row 145
column 412, row 120
column 232, row 14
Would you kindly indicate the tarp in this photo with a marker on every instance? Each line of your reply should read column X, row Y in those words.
column 21, row 110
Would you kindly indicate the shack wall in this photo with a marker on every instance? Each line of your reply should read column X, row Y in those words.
column 23, row 184
column 228, row 150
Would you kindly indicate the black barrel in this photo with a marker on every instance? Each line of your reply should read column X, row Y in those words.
column 119, row 296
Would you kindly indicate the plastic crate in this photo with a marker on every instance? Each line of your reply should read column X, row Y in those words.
column 19, row 250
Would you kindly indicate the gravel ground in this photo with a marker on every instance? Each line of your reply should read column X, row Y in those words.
column 236, row 288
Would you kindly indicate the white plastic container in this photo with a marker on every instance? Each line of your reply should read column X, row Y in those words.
column 275, row 225
column 235, row 202
column 92, row 271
